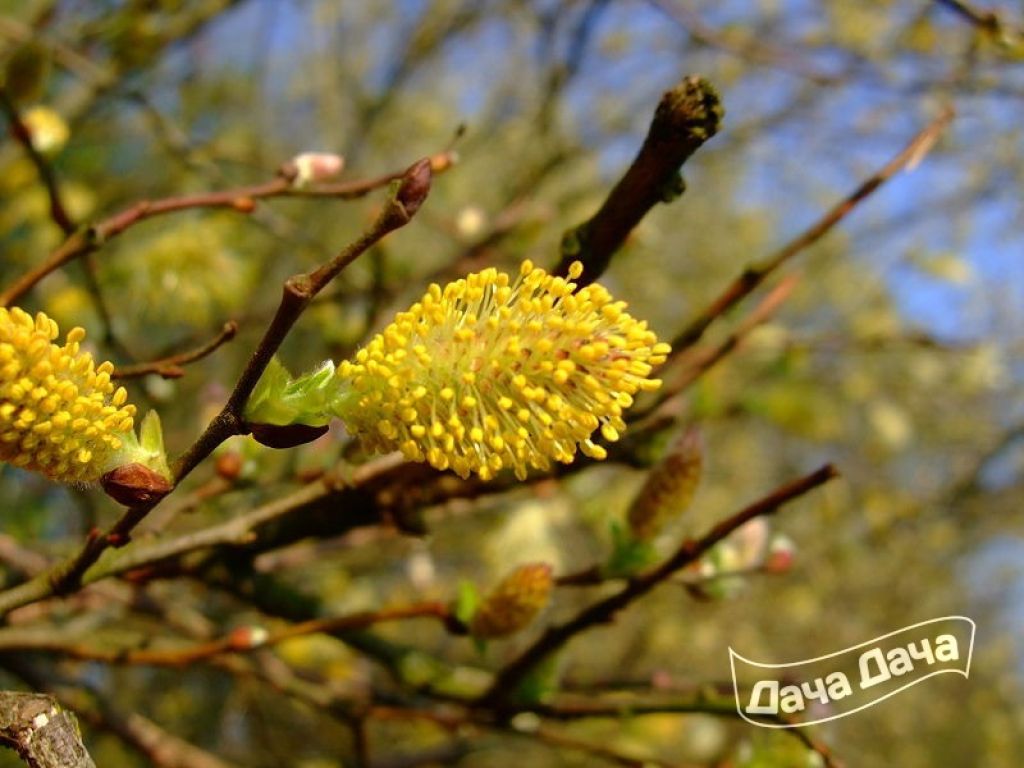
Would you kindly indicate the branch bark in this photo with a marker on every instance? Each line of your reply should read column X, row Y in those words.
column 42, row 733
column 686, row 117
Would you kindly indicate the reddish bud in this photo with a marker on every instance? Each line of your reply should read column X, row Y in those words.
column 229, row 465
column 415, row 186
column 135, row 485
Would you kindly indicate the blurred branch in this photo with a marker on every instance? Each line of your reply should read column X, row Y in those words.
column 602, row 752
column 752, row 49
column 59, row 214
column 987, row 21
column 297, row 293
column 703, row 701
column 686, row 117
column 21, row 132
column 171, row 367
column 162, row 749
column 242, row 640
column 754, row 275
column 704, row 360
column 90, row 238
column 43, row 734
column 603, row 611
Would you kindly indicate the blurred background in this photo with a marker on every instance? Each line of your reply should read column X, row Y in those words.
column 897, row 356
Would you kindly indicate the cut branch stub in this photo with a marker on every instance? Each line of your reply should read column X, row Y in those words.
column 43, row 734
column 686, row 117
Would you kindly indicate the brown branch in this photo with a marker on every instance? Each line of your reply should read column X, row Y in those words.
column 59, row 213
column 20, row 131
column 88, row 239
column 686, row 117
column 298, row 291
column 754, row 275
column 243, row 640
column 601, row 612
column 41, row 732
column 753, row 49
column 679, row 377
column 161, row 748
column 985, row 20
column 703, row 701
column 171, row 367
column 765, row 309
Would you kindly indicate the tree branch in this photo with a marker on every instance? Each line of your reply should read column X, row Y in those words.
column 756, row 274
column 171, row 367
column 686, row 117
column 601, row 612
column 41, row 732
column 88, row 239
column 298, row 291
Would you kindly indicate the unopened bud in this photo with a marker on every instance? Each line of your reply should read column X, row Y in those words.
column 514, row 603
column 669, row 488
column 244, row 204
column 229, row 465
column 311, row 167
column 135, row 484
column 287, row 435
column 415, row 186
column 247, row 637
column 781, row 554
column 442, row 161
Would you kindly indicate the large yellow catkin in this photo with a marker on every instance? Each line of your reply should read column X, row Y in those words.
column 490, row 373
column 514, row 603
column 669, row 488
column 60, row 414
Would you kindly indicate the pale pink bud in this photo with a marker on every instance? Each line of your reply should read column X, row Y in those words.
column 316, row 166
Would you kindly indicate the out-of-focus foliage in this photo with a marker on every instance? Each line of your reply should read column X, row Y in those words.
column 897, row 357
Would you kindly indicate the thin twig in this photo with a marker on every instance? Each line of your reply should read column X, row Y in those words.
column 87, row 239
column 985, row 20
column 20, row 131
column 703, row 701
column 756, row 274
column 298, row 291
column 171, row 367
column 243, row 640
column 754, row 49
column 687, row 116
column 555, row 637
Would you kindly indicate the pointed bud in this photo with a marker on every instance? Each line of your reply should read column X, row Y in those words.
column 135, row 485
column 514, row 603
column 669, row 488
column 414, row 186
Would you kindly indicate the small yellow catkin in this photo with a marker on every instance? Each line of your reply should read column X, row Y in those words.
column 60, row 414
column 514, row 603
column 669, row 488
column 488, row 373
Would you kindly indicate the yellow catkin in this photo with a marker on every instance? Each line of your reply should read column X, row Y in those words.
column 490, row 373
column 60, row 414
column 514, row 603
column 669, row 488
